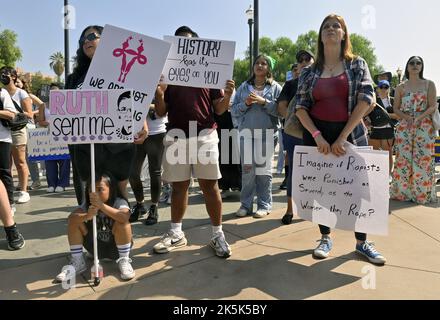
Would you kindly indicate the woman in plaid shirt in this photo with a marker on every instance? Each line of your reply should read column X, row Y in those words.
column 334, row 94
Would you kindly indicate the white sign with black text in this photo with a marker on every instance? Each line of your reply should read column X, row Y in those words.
column 199, row 63
column 127, row 59
column 91, row 116
column 349, row 192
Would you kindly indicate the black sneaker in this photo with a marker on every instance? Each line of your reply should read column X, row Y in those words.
column 14, row 237
column 137, row 211
column 283, row 185
column 287, row 218
column 152, row 216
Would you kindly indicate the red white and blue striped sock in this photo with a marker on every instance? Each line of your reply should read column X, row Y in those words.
column 124, row 250
column 76, row 251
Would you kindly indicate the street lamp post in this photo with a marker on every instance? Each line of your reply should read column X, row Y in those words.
column 399, row 74
column 256, row 29
column 250, row 17
column 66, row 40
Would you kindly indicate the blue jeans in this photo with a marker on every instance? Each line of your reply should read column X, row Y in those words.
column 289, row 145
column 58, row 173
column 280, row 163
column 256, row 160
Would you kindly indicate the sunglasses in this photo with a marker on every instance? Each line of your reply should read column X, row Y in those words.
column 304, row 59
column 89, row 37
column 413, row 63
column 384, row 87
column 335, row 25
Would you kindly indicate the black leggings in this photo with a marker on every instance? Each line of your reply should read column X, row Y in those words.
column 5, row 170
column 77, row 184
column 330, row 132
column 153, row 147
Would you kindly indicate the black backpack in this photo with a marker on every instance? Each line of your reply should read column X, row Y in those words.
column 379, row 117
column 19, row 122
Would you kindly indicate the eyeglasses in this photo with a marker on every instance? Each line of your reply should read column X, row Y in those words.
column 413, row 63
column 304, row 59
column 89, row 37
column 384, row 87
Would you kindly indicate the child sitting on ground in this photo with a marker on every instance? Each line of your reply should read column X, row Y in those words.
column 113, row 228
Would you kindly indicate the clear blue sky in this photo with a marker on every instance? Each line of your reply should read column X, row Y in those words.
column 402, row 28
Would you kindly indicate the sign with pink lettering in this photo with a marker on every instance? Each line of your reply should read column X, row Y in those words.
column 199, row 63
column 91, row 116
column 126, row 59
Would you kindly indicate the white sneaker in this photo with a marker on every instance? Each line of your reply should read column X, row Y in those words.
column 59, row 189
column 23, row 197
column 242, row 212
column 36, row 184
column 220, row 246
column 170, row 241
column 78, row 264
column 50, row 190
column 127, row 272
column 261, row 213
column 170, row 196
column 225, row 193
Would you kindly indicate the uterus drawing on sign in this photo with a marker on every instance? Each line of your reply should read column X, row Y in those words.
column 125, row 114
column 129, row 57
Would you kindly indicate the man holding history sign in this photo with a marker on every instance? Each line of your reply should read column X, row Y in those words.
column 191, row 130
column 333, row 96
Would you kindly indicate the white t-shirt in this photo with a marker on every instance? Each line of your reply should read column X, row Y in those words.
column 157, row 126
column 19, row 96
column 5, row 133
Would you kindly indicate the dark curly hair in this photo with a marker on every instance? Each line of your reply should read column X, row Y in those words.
column 82, row 62
column 112, row 183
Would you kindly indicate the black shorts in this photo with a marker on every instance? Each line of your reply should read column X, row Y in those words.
column 106, row 250
column 382, row 134
column 114, row 158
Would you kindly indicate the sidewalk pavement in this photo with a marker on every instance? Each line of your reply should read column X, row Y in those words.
column 269, row 260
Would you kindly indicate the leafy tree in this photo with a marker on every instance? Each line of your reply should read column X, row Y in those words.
column 308, row 41
column 57, row 64
column 37, row 81
column 10, row 53
column 284, row 51
column 364, row 48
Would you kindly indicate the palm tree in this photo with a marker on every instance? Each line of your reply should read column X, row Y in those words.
column 57, row 64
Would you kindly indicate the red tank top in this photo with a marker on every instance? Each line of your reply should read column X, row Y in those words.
column 331, row 99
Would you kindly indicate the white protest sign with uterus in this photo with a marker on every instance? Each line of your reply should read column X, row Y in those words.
column 199, row 63
column 91, row 116
column 126, row 59
column 349, row 192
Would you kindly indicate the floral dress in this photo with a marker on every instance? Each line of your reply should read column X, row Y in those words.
column 413, row 175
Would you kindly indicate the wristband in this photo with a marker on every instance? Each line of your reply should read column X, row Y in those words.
column 316, row 133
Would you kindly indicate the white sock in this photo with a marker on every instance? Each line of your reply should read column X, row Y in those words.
column 76, row 251
column 176, row 228
column 217, row 229
column 124, row 250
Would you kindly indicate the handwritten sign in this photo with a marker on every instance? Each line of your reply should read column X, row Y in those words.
column 126, row 59
column 96, row 116
column 348, row 193
column 199, row 63
column 41, row 147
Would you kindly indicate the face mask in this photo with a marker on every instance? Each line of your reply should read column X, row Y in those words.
column 5, row 79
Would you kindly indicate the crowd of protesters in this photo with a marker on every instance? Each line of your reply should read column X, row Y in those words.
column 331, row 94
